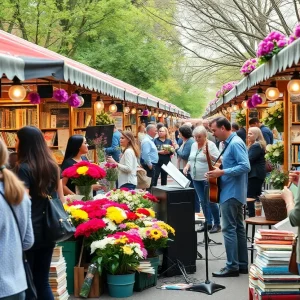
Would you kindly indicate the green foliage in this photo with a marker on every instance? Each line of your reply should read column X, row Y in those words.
column 277, row 179
column 241, row 118
column 104, row 118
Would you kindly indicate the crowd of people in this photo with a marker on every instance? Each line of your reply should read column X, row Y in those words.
column 30, row 174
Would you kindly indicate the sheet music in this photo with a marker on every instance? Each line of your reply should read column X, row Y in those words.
column 176, row 175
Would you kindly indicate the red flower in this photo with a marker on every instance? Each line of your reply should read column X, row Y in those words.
column 97, row 213
column 89, row 227
column 95, row 172
column 82, row 163
column 150, row 197
column 131, row 238
column 143, row 211
column 131, row 216
column 124, row 189
column 70, row 172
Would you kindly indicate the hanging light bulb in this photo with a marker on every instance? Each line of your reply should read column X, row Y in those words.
column 81, row 99
column 262, row 95
column 17, row 92
column 224, row 111
column 133, row 111
column 229, row 109
column 160, row 115
column 244, row 103
column 113, row 107
column 293, row 86
column 272, row 93
column 235, row 107
column 98, row 105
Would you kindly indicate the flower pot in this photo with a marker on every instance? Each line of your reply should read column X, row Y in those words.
column 145, row 280
column 84, row 190
column 120, row 286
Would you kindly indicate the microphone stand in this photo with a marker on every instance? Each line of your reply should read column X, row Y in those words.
column 207, row 286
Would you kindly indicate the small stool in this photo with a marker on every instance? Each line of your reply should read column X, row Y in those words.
column 257, row 221
column 245, row 206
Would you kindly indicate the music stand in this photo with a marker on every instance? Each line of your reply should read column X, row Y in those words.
column 206, row 286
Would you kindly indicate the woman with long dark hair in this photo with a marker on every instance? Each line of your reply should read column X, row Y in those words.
column 76, row 151
column 128, row 164
column 40, row 173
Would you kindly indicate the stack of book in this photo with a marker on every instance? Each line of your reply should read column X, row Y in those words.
column 58, row 275
column 270, row 276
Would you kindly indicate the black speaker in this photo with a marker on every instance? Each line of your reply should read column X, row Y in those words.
column 176, row 207
column 45, row 91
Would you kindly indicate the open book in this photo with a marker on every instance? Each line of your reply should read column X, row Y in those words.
column 176, row 175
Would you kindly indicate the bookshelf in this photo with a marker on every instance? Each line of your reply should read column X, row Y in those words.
column 295, row 135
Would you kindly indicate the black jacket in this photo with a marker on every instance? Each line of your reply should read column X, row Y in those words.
column 257, row 161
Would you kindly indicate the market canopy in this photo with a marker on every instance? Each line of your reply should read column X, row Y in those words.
column 285, row 59
column 26, row 60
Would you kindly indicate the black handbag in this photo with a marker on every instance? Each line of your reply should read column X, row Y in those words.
column 59, row 226
column 31, row 290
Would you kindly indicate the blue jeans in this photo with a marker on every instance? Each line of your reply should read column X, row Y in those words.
column 128, row 185
column 210, row 210
column 197, row 200
column 39, row 261
column 234, row 234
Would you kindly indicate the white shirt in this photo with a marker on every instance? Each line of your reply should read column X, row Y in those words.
column 198, row 162
column 127, row 168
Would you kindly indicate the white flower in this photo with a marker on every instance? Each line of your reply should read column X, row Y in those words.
column 269, row 148
column 110, row 225
column 276, row 153
column 101, row 244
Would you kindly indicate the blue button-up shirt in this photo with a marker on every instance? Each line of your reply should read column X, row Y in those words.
column 149, row 154
column 114, row 150
column 236, row 166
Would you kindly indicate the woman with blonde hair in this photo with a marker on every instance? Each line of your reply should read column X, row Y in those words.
column 164, row 156
column 12, row 240
column 129, row 161
column 257, row 175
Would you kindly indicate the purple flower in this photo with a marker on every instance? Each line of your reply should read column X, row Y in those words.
column 249, row 66
column 122, row 226
column 273, row 40
column 249, row 103
column 295, row 35
column 226, row 88
column 281, row 43
column 256, row 100
column 60, row 95
column 34, row 98
column 145, row 112
column 74, row 100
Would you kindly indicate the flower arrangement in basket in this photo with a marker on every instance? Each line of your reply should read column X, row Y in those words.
column 84, row 174
column 271, row 45
column 134, row 199
column 111, row 174
column 277, row 179
column 274, row 117
column 241, row 118
column 249, row 66
column 275, row 153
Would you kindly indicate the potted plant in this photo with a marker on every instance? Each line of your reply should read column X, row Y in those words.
column 119, row 254
column 84, row 174
column 277, row 179
column 274, row 117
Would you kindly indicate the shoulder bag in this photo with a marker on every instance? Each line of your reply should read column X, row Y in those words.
column 143, row 181
column 59, row 226
column 31, row 290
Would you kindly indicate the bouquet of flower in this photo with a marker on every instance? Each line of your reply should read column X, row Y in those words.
column 248, row 66
column 84, row 173
column 118, row 253
column 271, row 45
column 111, row 173
column 275, row 153
column 77, row 215
column 99, row 142
column 274, row 117
column 241, row 118
column 168, row 148
column 134, row 199
column 277, row 179
column 295, row 35
column 226, row 88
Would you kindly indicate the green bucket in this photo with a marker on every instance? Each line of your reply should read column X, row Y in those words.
column 120, row 286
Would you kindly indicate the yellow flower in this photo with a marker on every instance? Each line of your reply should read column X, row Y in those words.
column 127, row 250
column 151, row 211
column 165, row 226
column 122, row 240
column 79, row 214
column 116, row 214
column 82, row 170
column 131, row 225
column 155, row 234
column 69, row 209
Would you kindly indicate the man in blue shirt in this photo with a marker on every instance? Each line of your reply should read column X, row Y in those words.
column 114, row 150
column 265, row 130
column 149, row 153
column 233, row 194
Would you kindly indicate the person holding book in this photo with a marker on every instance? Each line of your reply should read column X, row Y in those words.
column 40, row 173
column 129, row 161
column 233, row 194
column 165, row 149
column 13, row 196
column 197, row 166
column 257, row 175
column 293, row 206
column 77, row 148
